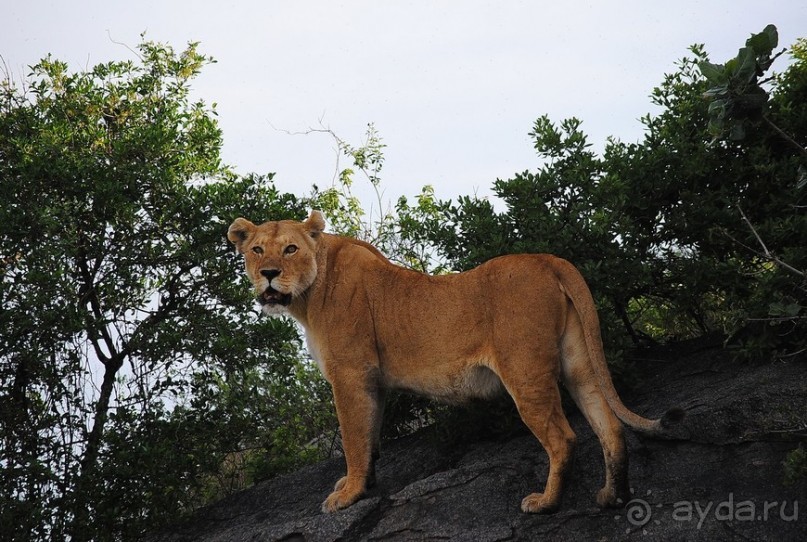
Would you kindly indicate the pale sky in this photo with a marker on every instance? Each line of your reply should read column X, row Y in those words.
column 453, row 87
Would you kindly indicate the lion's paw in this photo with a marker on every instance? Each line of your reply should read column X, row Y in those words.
column 607, row 497
column 339, row 500
column 537, row 503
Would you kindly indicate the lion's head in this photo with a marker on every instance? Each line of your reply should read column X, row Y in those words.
column 280, row 258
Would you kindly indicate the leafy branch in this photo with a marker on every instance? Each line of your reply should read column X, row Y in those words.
column 736, row 92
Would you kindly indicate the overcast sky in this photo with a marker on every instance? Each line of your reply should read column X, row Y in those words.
column 453, row 87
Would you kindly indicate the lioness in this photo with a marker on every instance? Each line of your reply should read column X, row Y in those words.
column 518, row 323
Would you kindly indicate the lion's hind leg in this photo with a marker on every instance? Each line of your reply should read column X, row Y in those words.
column 537, row 398
column 609, row 432
column 579, row 378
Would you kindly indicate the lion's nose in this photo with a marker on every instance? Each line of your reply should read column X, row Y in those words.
column 270, row 273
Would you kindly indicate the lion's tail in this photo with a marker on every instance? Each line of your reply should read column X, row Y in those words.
column 576, row 289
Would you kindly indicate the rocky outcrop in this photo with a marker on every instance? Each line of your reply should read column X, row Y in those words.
column 719, row 478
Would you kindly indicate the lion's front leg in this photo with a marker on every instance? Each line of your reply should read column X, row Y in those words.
column 358, row 408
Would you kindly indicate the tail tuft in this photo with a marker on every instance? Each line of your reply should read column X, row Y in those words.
column 672, row 417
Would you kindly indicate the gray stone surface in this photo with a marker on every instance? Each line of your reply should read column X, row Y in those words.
column 717, row 480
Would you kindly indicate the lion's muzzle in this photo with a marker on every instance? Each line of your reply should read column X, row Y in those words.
column 270, row 296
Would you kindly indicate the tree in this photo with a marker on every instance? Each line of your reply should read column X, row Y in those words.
column 129, row 367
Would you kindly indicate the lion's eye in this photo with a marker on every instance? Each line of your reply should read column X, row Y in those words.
column 291, row 249
column 257, row 250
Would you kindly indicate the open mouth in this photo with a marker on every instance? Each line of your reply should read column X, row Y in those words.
column 270, row 296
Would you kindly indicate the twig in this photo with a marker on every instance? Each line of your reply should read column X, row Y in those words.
column 768, row 253
column 135, row 53
column 777, row 319
column 793, row 143
column 340, row 144
column 792, row 354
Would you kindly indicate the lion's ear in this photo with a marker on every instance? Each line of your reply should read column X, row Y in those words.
column 315, row 224
column 240, row 230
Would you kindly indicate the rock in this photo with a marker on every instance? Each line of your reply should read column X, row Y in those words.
column 719, row 478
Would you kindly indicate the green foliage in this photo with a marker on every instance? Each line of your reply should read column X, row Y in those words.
column 130, row 368
column 406, row 233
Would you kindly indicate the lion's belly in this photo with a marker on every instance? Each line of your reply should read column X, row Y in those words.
column 472, row 381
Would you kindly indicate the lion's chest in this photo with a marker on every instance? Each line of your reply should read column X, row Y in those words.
column 315, row 353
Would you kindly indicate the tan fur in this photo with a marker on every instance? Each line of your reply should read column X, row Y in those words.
column 518, row 323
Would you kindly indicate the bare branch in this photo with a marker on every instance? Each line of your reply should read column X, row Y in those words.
column 767, row 253
column 109, row 35
column 792, row 142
